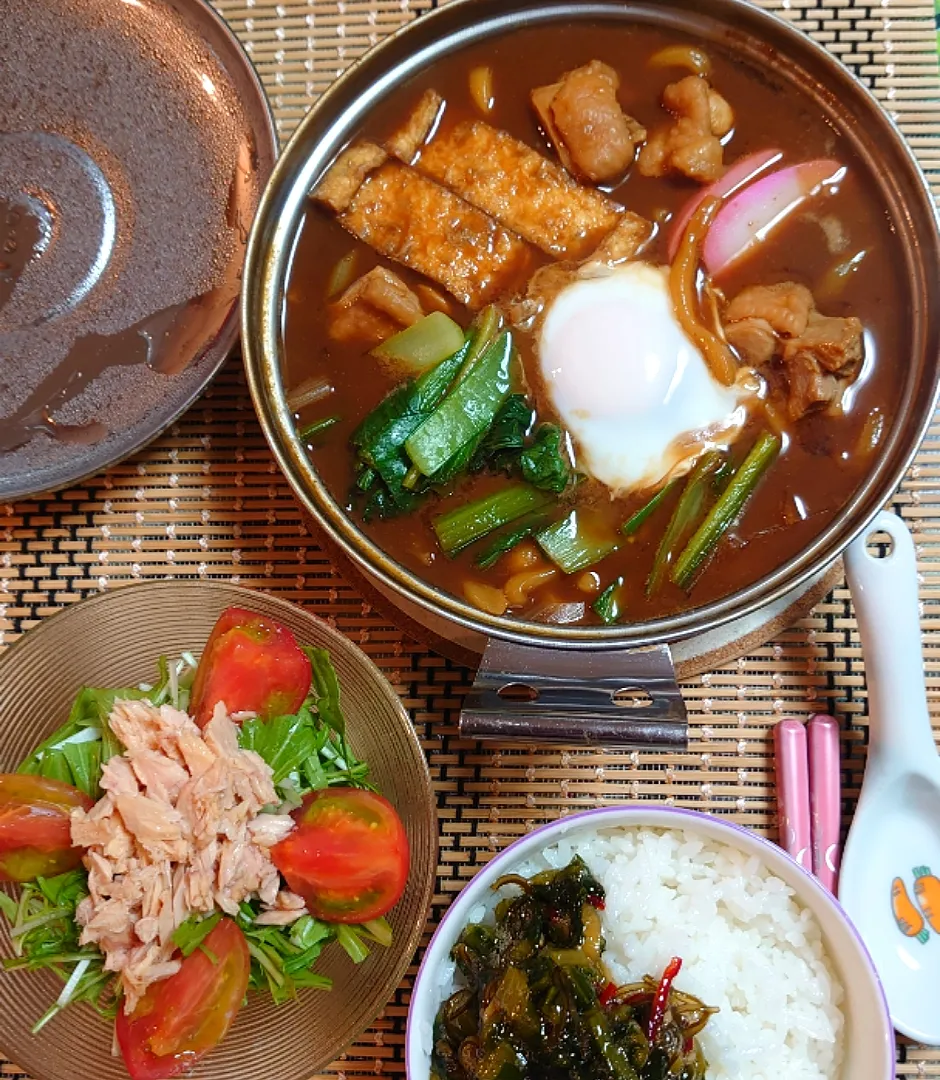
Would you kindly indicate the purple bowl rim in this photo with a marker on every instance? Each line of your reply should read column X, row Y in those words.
column 679, row 812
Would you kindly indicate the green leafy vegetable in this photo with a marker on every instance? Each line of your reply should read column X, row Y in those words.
column 545, row 464
column 506, row 437
column 45, row 936
column 726, row 510
column 190, row 935
column 379, row 440
column 509, row 536
column 575, row 543
column 685, row 517
column 460, row 527
column 609, row 606
column 76, row 752
column 466, row 412
column 632, row 525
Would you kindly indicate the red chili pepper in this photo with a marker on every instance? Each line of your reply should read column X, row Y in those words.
column 661, row 1000
column 597, row 902
column 608, row 994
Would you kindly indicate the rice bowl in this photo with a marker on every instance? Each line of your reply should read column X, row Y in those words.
column 760, row 939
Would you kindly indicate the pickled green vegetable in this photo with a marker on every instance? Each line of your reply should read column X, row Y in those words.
column 537, row 1003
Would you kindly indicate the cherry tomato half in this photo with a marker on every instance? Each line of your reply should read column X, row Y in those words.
column 253, row 664
column 35, row 833
column 182, row 1018
column 348, row 855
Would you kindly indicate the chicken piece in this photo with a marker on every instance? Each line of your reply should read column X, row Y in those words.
column 417, row 129
column 373, row 308
column 412, row 220
column 810, row 388
column 779, row 326
column 785, row 307
column 595, row 139
column 754, row 341
column 835, row 344
column 691, row 145
column 519, row 187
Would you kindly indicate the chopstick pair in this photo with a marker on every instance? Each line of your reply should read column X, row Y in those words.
column 809, row 793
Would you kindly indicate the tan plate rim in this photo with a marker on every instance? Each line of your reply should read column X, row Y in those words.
column 240, row 594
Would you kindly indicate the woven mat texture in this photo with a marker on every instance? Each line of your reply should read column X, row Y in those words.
column 206, row 500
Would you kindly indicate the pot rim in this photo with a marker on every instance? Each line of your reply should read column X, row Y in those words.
column 310, row 150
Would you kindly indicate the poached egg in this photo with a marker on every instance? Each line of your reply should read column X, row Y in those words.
column 633, row 391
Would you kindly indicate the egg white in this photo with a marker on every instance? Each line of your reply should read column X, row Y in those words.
column 634, row 392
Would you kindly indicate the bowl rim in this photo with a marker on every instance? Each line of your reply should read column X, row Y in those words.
column 338, row 642
column 274, row 233
column 624, row 813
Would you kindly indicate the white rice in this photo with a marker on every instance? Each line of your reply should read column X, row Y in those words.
column 746, row 944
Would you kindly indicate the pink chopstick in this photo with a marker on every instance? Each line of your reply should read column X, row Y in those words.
column 825, row 798
column 792, row 763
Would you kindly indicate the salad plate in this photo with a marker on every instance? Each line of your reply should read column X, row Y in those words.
column 117, row 640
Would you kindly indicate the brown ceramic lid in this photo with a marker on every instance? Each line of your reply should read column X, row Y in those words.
column 136, row 141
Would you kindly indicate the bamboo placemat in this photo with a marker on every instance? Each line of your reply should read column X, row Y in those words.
column 206, row 500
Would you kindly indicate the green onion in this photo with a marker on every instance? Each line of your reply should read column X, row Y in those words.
column 310, row 432
column 466, row 412
column 726, row 510
column 355, row 947
column 423, row 344
column 366, row 478
column 483, row 331
column 309, row 392
column 633, row 524
column 460, row 527
column 379, row 930
column 572, row 545
column 684, row 518
column 507, row 538
column 609, row 606
column 269, row 963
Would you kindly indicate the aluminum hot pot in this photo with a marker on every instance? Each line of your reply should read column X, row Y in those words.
column 572, row 673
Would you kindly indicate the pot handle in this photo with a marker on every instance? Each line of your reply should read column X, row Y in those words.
column 618, row 697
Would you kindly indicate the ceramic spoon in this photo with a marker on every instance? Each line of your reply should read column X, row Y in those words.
column 890, row 883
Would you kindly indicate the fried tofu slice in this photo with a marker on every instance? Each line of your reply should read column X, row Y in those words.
column 373, row 308
column 417, row 129
column 338, row 187
column 411, row 219
column 519, row 187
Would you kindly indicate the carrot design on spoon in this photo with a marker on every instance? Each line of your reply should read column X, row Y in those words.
column 909, row 919
column 927, row 891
